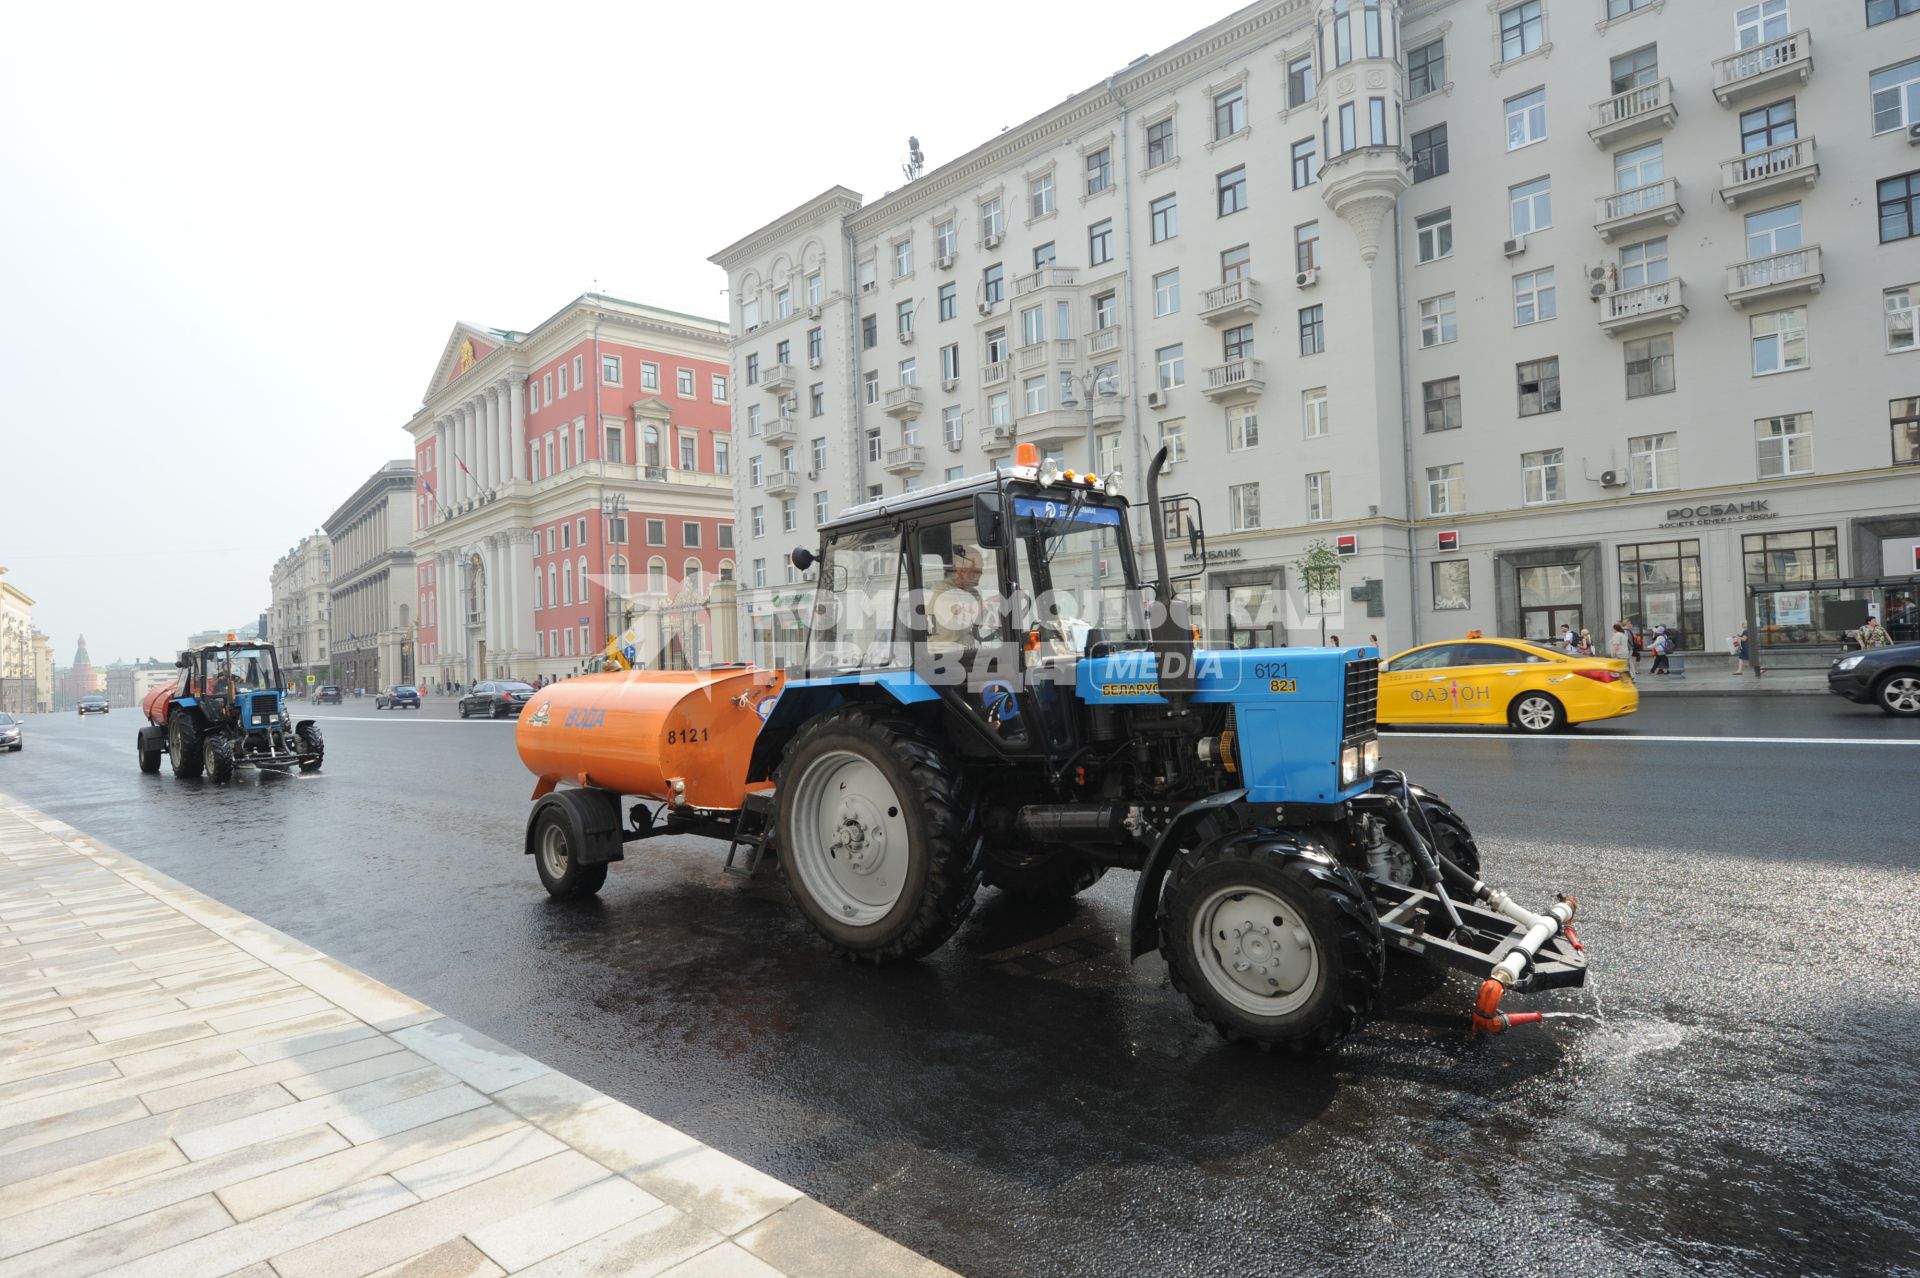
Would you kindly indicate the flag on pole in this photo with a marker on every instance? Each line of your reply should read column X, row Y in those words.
column 461, row 464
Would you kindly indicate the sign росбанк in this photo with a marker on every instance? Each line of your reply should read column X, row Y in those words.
column 1730, row 512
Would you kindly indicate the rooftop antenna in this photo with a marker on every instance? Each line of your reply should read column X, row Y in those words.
column 916, row 159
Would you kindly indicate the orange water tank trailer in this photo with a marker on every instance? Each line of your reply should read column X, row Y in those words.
column 154, row 704
column 682, row 736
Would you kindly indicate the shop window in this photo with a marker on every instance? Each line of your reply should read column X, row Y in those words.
column 1660, row 586
column 1811, row 554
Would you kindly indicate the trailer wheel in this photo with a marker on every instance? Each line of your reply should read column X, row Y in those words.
column 311, row 742
column 218, row 749
column 149, row 755
column 553, row 855
column 1536, row 712
column 1040, row 872
column 877, row 834
column 1272, row 941
column 183, row 746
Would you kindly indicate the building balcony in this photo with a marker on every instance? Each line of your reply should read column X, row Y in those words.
column 994, row 374
column 780, row 430
column 783, row 483
column 1647, row 306
column 1102, row 340
column 1235, row 378
column 908, row 459
column 902, row 401
column 1654, row 204
column 1109, row 410
column 1775, row 275
column 1785, row 167
column 996, row 439
column 1234, row 302
column 1045, row 277
column 1028, row 358
column 1765, row 70
column 778, row 380
column 1054, row 427
column 1643, row 109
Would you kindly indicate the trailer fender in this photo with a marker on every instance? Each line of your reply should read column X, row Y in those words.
column 1153, row 875
column 593, row 819
column 153, row 736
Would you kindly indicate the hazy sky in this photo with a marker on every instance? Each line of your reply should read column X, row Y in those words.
column 233, row 239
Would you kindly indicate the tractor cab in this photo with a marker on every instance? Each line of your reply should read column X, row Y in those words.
column 235, row 681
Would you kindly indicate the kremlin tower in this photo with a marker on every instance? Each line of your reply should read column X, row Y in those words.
column 81, row 679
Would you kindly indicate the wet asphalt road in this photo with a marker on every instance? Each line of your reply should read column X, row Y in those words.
column 1734, row 1093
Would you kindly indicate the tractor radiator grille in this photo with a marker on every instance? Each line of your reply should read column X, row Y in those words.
column 1363, row 701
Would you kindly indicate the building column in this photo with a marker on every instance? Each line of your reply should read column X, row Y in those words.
column 517, row 415
column 492, row 411
column 503, row 443
column 468, row 431
column 478, row 462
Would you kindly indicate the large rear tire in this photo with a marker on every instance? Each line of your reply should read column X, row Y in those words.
column 183, row 746
column 553, row 856
column 1272, row 941
column 878, row 835
column 1039, row 873
column 311, row 744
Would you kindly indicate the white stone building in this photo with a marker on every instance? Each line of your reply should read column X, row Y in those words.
column 18, row 671
column 1546, row 311
column 370, row 619
column 297, row 614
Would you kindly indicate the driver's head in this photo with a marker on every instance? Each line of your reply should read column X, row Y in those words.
column 966, row 566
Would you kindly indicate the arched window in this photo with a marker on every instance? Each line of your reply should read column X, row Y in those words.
column 583, row 579
column 691, row 576
column 656, row 576
column 617, row 575
column 726, row 568
column 552, row 597
column 566, row 583
column 539, row 593
column 651, row 438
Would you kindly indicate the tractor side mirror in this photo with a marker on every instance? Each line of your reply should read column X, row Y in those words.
column 1181, row 516
column 986, row 521
column 803, row 558
column 184, row 661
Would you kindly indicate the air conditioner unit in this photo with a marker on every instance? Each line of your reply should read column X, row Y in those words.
column 1308, row 278
column 991, row 241
column 813, row 312
column 813, row 361
column 1598, row 291
column 1598, row 274
column 986, row 308
column 944, row 263
column 869, row 286
column 949, row 384
column 954, row 445
column 906, row 337
column 1515, row 246
column 1913, row 135
column 813, row 474
column 1612, row 479
column 751, row 327
column 1156, row 399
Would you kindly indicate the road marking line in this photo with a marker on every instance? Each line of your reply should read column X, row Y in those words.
column 1461, row 736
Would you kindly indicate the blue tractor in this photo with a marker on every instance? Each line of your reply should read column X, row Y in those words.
column 226, row 709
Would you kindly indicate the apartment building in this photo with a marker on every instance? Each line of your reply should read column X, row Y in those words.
column 1542, row 313
column 371, row 632
column 298, row 588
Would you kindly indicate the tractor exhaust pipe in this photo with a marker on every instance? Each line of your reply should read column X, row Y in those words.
column 1173, row 637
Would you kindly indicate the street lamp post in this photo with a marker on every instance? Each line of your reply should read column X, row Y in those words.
column 1093, row 382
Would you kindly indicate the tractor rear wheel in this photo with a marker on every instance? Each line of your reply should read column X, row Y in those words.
column 1040, row 872
column 878, row 834
column 1272, row 941
column 308, row 735
column 149, row 755
column 218, row 749
column 183, row 746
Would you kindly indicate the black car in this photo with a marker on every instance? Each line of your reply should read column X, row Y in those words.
column 1886, row 677
column 496, row 697
column 328, row 695
column 9, row 733
column 397, row 697
column 93, row 703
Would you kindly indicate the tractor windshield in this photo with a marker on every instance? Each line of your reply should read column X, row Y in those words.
column 1075, row 557
column 234, row 670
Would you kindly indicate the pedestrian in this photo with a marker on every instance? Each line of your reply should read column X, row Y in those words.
column 1874, row 635
column 1662, row 648
column 1333, row 641
column 1617, row 646
column 1746, row 653
column 1374, row 640
column 1733, row 647
column 1569, row 642
column 1586, row 642
column 1635, row 647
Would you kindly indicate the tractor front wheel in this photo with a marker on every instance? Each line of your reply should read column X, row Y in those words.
column 1040, row 873
column 878, row 834
column 218, row 749
column 1273, row 941
column 183, row 746
column 312, row 748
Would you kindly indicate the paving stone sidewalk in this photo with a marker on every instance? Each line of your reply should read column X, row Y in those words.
column 184, row 1090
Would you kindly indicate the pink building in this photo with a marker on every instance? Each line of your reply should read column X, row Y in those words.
column 574, row 483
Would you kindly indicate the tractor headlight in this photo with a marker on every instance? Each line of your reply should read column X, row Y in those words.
column 1349, row 765
column 1370, row 757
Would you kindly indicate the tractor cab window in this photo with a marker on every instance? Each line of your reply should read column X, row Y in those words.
column 960, row 623
column 1073, row 559
column 855, row 602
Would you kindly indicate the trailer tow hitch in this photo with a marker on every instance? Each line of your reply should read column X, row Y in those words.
column 1487, row 1018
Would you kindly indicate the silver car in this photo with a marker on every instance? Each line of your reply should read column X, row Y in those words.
column 10, row 733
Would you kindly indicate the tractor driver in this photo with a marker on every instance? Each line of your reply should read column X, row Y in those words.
column 954, row 606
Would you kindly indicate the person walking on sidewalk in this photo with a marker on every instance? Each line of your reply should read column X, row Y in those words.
column 1634, row 646
column 1662, row 646
column 1745, row 652
column 1617, row 646
column 1874, row 635
column 1586, row 642
column 1734, row 649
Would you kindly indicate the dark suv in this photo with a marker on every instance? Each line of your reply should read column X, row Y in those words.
column 1886, row 677
column 328, row 695
column 400, row 696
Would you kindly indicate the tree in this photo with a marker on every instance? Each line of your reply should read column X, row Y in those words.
column 1319, row 572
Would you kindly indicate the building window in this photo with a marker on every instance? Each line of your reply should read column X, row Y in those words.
column 1899, row 207
column 1521, row 30
column 1527, row 119
column 996, row 345
column 1541, row 474
column 1779, row 341
column 1643, row 263
column 950, row 362
column 1235, row 263
column 1810, row 555
column 1099, row 171
column 1300, row 80
column 1306, row 246
column 1429, row 147
column 1530, row 206
column 757, row 521
column 719, row 388
column 789, row 515
column 1427, row 69
column 1237, row 343
column 1173, row 438
column 948, row 300
column 1447, row 489
column 1452, row 585
column 1313, row 412
column 1170, row 364
column 944, row 239
column 1100, row 242
column 1233, row 190
column 1243, row 428
column 1433, row 235
column 1229, row 112
column 992, row 219
column 1000, row 409
column 683, row 382
column 1106, row 311
column 1160, row 143
column 820, row 508
column 1650, row 366
column 1533, row 297
column 1879, row 11
column 1660, row 586
column 1040, row 196
column 1772, row 231
column 1305, row 167
column 1654, row 462
column 874, row 448
column 816, row 347
column 783, row 303
column 1437, row 325
column 870, row 386
column 615, row 445
column 1033, row 392
column 909, row 372
column 1785, row 445
column 951, row 425
column 1166, row 292
column 610, row 370
column 722, row 457
column 1165, row 218
column 1898, row 303
column 1346, row 138
column 756, row 471
column 1440, row 401
column 1313, row 330
column 1033, row 326
column 818, row 450
column 1634, row 70
column 817, row 399
column 1896, row 96
column 1905, row 418
column 752, row 371
column 565, row 387
column 1539, row 382
column 1243, row 500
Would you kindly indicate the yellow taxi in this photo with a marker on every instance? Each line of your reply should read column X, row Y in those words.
column 1529, row 686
